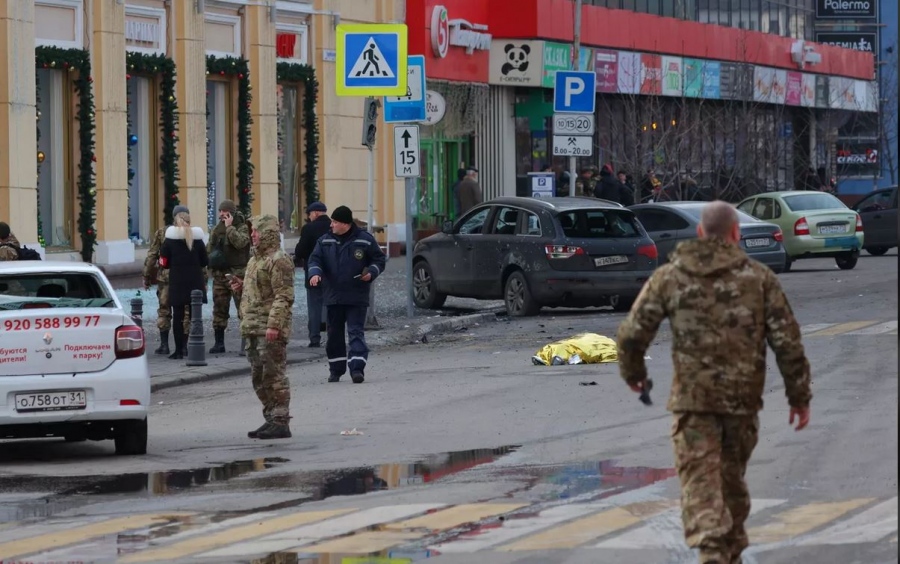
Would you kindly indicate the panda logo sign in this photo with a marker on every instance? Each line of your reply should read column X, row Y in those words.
column 516, row 58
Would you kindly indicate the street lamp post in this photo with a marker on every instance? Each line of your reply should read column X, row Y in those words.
column 575, row 64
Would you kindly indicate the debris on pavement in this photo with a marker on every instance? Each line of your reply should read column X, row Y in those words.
column 591, row 383
column 352, row 431
column 586, row 348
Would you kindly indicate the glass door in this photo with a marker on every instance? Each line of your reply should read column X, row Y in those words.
column 55, row 184
column 219, row 146
column 143, row 197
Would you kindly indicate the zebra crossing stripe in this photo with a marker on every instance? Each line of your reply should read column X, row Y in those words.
column 455, row 516
column 871, row 525
column 666, row 530
column 842, row 328
column 48, row 541
column 200, row 543
column 885, row 327
column 362, row 543
column 515, row 528
column 813, row 327
column 799, row 520
column 577, row 533
column 286, row 540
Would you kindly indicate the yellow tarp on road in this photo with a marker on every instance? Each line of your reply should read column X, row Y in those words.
column 587, row 348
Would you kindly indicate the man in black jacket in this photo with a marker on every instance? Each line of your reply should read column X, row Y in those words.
column 609, row 188
column 319, row 224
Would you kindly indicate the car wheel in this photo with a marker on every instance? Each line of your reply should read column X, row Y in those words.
column 425, row 295
column 620, row 303
column 519, row 302
column 847, row 261
column 876, row 251
column 131, row 438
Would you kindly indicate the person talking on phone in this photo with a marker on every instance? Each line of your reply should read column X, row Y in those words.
column 229, row 252
column 346, row 261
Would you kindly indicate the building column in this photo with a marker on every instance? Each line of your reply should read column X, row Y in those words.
column 263, row 110
column 190, row 89
column 110, row 103
column 18, row 133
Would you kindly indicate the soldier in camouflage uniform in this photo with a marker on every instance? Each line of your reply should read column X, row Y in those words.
column 153, row 274
column 266, row 319
column 723, row 308
column 229, row 251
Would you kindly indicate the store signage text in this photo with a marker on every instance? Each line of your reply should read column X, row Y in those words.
column 142, row 32
column 845, row 156
column 859, row 41
column 458, row 32
column 833, row 9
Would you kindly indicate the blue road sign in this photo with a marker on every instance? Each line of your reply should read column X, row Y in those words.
column 398, row 109
column 574, row 92
column 371, row 60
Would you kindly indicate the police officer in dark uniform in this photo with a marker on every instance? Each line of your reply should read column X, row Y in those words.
column 346, row 261
column 319, row 224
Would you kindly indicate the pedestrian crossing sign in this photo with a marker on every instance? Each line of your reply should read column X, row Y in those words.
column 371, row 60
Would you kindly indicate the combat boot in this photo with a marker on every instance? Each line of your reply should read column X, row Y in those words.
column 274, row 431
column 255, row 433
column 357, row 377
column 219, row 345
column 163, row 344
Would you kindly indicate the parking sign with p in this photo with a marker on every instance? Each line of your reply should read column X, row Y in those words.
column 574, row 92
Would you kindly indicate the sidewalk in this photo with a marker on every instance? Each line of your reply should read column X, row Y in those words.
column 165, row 373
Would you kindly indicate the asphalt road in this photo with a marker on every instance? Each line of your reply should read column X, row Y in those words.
column 470, row 453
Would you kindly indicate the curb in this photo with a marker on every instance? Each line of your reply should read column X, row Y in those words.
column 408, row 336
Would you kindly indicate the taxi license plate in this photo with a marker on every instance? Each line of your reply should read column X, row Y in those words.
column 606, row 261
column 829, row 229
column 51, row 401
column 762, row 242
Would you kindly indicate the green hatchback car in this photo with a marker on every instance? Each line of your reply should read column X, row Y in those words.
column 815, row 225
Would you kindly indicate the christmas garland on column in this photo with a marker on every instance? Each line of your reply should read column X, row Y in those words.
column 306, row 75
column 78, row 61
column 231, row 66
column 164, row 68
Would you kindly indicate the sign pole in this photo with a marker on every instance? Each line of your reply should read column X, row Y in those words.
column 371, row 320
column 575, row 63
column 410, row 201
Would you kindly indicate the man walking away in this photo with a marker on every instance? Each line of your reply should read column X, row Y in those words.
column 267, row 296
column 153, row 274
column 469, row 191
column 347, row 260
column 229, row 251
column 723, row 308
column 319, row 224
column 454, row 191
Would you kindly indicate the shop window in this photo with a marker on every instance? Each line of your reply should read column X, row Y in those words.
column 290, row 166
column 56, row 185
column 221, row 146
column 144, row 198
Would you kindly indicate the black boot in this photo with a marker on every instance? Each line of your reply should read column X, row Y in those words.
column 180, row 341
column 274, row 431
column 255, row 434
column 163, row 344
column 219, row 346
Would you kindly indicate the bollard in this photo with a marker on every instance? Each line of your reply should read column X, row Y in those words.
column 137, row 310
column 196, row 350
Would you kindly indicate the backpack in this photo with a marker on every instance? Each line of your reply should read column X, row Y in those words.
column 28, row 254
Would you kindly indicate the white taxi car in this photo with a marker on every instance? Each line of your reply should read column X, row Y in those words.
column 72, row 360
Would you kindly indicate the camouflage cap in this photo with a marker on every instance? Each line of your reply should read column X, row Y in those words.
column 265, row 222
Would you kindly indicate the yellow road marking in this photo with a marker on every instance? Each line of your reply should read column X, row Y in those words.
column 803, row 519
column 361, row 543
column 591, row 527
column 842, row 328
column 234, row 535
column 58, row 539
column 455, row 516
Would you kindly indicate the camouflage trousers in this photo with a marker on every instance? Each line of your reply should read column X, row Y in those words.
column 164, row 311
column 268, row 364
column 223, row 296
column 711, row 455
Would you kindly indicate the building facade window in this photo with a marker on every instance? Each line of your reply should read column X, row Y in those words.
column 144, row 198
column 290, row 167
column 55, row 180
column 220, row 135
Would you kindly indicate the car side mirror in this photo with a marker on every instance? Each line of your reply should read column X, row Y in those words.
column 447, row 227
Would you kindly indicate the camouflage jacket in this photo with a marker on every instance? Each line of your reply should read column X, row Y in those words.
column 235, row 241
column 268, row 292
column 152, row 272
column 723, row 308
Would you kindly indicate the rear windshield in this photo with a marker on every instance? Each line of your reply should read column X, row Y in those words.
column 805, row 202
column 599, row 224
column 695, row 211
column 18, row 291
